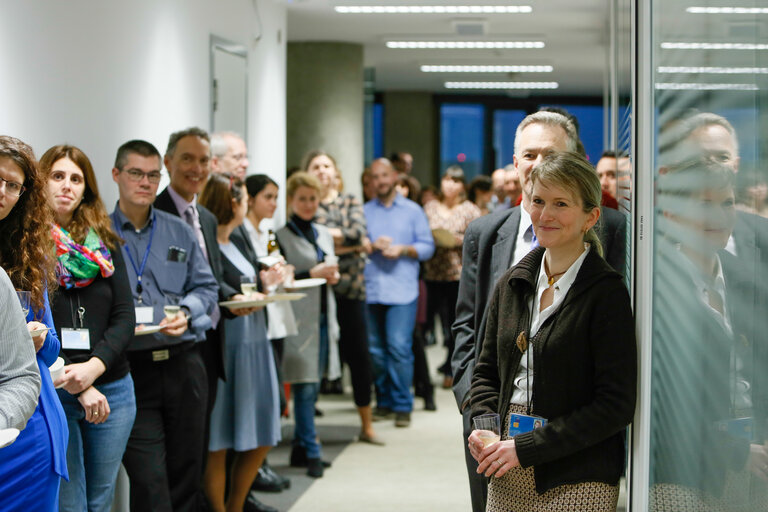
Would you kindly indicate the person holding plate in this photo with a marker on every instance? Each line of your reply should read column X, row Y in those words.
column 33, row 466
column 448, row 218
column 94, row 317
column 313, row 352
column 559, row 351
column 246, row 414
column 166, row 266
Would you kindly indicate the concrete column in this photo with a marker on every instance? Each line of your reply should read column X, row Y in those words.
column 410, row 126
column 325, row 106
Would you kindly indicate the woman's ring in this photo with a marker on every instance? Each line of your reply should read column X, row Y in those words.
column 95, row 413
column 499, row 462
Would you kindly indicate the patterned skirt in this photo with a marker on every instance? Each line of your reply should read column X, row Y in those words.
column 742, row 492
column 516, row 490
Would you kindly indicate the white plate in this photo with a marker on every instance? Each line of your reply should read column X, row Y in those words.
column 270, row 260
column 280, row 297
column 148, row 329
column 306, row 283
column 8, row 436
column 38, row 331
column 238, row 304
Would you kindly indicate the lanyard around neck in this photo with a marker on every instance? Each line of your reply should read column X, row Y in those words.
column 139, row 270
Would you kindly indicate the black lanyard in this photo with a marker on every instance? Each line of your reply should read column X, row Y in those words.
column 139, row 270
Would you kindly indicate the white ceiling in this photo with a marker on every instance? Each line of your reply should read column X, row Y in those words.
column 575, row 33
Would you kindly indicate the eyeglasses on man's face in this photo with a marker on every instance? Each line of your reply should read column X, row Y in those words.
column 12, row 188
column 137, row 175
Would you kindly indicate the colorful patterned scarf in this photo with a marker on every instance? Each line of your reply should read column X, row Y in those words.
column 79, row 265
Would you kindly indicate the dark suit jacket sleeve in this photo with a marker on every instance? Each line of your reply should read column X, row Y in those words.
column 463, row 360
column 613, row 236
column 486, row 383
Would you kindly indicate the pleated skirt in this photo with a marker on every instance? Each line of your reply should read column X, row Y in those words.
column 516, row 490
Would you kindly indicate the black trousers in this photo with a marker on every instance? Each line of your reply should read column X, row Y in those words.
column 444, row 295
column 478, row 484
column 422, row 382
column 353, row 347
column 164, row 453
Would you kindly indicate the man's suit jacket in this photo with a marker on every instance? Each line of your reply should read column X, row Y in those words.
column 489, row 246
column 208, row 224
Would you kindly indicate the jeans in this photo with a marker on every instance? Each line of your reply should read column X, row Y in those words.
column 304, row 400
column 95, row 451
column 390, row 336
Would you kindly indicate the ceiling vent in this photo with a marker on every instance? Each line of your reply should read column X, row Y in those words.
column 470, row 27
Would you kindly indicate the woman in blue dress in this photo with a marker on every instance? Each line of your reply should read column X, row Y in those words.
column 246, row 414
column 32, row 467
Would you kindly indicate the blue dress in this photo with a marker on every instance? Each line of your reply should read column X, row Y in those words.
column 31, row 468
column 246, row 414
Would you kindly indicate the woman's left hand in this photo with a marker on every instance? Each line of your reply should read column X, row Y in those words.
column 80, row 376
column 497, row 458
column 38, row 340
column 95, row 405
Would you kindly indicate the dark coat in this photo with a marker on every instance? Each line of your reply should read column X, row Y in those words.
column 489, row 245
column 585, row 371
column 213, row 351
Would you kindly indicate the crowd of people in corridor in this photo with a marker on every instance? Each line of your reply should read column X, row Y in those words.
column 179, row 319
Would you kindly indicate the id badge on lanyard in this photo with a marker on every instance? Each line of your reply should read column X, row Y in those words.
column 523, row 423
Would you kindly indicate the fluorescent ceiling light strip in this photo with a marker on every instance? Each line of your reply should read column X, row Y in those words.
column 433, row 9
column 727, row 10
column 713, row 46
column 675, row 86
column 502, row 85
column 485, row 69
column 711, row 70
column 464, row 45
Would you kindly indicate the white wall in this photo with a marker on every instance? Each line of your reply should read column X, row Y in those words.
column 96, row 74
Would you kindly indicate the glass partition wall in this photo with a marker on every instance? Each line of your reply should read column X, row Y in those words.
column 701, row 260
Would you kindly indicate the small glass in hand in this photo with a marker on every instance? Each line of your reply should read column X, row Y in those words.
column 172, row 306
column 489, row 428
column 25, row 299
column 247, row 285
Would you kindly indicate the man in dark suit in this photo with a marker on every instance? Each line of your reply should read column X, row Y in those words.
column 187, row 160
column 494, row 243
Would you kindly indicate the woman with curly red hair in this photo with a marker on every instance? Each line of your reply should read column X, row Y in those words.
column 31, row 468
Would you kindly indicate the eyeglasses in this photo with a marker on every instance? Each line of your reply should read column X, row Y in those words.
column 137, row 175
column 12, row 188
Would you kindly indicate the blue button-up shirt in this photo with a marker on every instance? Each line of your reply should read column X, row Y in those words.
column 396, row 281
column 190, row 279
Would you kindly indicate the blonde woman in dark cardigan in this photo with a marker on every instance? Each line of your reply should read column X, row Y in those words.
column 560, row 352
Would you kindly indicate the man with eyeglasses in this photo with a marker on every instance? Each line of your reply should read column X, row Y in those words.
column 164, row 456
column 229, row 154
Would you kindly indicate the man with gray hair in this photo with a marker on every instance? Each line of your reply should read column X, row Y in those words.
column 496, row 242
column 229, row 154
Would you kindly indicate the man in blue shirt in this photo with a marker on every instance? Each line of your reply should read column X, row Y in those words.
column 164, row 456
column 401, row 238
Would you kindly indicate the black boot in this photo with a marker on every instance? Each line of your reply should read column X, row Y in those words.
column 298, row 456
column 284, row 482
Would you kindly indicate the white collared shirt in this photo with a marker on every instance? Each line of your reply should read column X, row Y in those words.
column 522, row 247
column 523, row 389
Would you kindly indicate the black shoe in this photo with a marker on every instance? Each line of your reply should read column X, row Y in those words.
column 315, row 468
column 319, row 413
column 254, row 505
column 265, row 482
column 298, row 456
column 429, row 403
column 284, row 482
column 382, row 413
column 403, row 419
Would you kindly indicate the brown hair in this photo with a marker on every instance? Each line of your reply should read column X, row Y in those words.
column 218, row 194
column 573, row 172
column 414, row 187
column 301, row 179
column 26, row 252
column 90, row 213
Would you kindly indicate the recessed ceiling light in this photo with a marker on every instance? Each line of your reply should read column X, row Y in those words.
column 727, row 10
column 486, row 69
column 711, row 70
column 433, row 9
column 464, row 45
column 676, row 86
column 502, row 85
column 713, row 46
